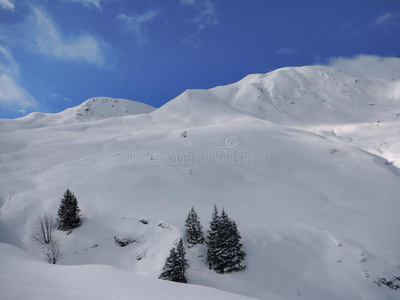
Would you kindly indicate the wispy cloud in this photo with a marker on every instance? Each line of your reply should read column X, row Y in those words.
column 40, row 34
column 136, row 25
column 7, row 63
column 191, row 41
column 383, row 19
column 91, row 4
column 13, row 97
column 7, row 4
column 206, row 13
column 188, row 2
column 368, row 66
column 286, row 51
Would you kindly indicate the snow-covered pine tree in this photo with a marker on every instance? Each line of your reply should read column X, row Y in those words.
column 212, row 238
column 68, row 212
column 225, row 252
column 237, row 261
column 182, row 263
column 231, row 256
column 223, row 233
column 175, row 265
column 194, row 232
column 169, row 271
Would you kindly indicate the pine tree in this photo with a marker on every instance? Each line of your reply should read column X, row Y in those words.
column 168, row 271
column 182, row 263
column 194, row 232
column 212, row 237
column 68, row 213
column 231, row 256
column 237, row 261
column 175, row 265
column 223, row 233
column 225, row 252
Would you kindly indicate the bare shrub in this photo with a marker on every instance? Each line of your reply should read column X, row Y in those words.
column 43, row 230
column 52, row 252
column 43, row 235
column 184, row 134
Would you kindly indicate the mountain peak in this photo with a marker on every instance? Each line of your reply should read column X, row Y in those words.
column 93, row 109
column 293, row 96
column 105, row 107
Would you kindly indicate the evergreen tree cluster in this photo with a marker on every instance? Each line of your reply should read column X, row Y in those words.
column 224, row 252
column 68, row 213
column 176, row 264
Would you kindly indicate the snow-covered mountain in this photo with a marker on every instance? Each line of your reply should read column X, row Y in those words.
column 93, row 109
column 303, row 159
column 301, row 96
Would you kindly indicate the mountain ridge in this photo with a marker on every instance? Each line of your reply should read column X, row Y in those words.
column 92, row 109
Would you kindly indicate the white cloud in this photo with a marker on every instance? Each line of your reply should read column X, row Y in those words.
column 88, row 3
column 383, row 19
column 12, row 95
column 206, row 15
column 7, row 4
column 7, row 63
column 135, row 25
column 42, row 35
column 368, row 66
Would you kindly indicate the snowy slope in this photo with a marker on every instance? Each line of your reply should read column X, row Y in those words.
column 318, row 213
column 35, row 280
column 317, row 99
column 91, row 110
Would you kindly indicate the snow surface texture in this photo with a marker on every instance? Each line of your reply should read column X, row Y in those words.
column 305, row 160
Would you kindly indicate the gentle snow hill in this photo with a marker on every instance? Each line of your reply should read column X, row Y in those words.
column 93, row 109
column 36, row 280
column 318, row 211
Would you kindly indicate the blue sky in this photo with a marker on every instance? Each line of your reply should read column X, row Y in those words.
column 55, row 54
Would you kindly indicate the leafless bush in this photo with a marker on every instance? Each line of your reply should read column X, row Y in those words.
column 52, row 252
column 43, row 230
column 184, row 133
column 43, row 235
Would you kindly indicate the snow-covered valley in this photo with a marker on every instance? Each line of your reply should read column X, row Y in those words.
column 305, row 160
